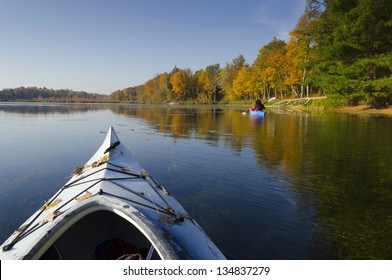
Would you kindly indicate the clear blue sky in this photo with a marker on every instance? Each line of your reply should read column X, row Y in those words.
column 101, row 46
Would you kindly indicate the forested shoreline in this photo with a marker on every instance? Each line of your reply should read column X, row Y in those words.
column 49, row 95
column 339, row 49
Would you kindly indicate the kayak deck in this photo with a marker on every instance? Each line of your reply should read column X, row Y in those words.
column 109, row 202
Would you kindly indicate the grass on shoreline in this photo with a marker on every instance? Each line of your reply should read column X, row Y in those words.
column 304, row 104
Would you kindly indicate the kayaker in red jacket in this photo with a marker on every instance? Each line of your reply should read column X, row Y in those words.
column 258, row 106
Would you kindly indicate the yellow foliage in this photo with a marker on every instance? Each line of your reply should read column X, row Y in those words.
column 178, row 82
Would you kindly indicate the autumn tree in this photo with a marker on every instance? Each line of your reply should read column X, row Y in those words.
column 260, row 65
column 183, row 83
column 255, row 83
column 177, row 81
column 164, row 85
column 212, row 85
column 206, row 83
column 140, row 93
column 271, row 65
column 150, row 87
column 202, row 82
column 301, row 53
column 228, row 75
column 241, row 84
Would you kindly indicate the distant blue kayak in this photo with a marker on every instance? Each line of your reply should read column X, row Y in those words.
column 257, row 113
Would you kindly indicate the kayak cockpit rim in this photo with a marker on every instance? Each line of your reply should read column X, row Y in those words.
column 128, row 214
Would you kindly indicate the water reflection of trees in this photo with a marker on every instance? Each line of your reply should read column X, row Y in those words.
column 338, row 167
column 341, row 175
column 50, row 108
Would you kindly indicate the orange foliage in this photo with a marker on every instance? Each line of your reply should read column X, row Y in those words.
column 178, row 82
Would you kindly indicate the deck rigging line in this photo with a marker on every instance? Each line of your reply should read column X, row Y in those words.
column 155, row 186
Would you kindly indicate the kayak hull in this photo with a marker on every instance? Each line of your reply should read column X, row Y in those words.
column 257, row 113
column 110, row 202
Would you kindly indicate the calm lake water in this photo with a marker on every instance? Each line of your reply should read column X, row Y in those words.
column 289, row 186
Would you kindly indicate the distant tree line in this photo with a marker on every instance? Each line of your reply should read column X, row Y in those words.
column 49, row 95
